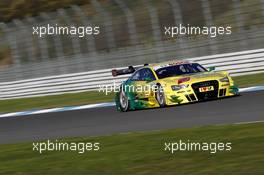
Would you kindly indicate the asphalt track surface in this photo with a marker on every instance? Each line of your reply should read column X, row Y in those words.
column 105, row 121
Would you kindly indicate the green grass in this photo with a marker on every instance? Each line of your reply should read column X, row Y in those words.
column 15, row 105
column 143, row 154
column 250, row 80
column 34, row 103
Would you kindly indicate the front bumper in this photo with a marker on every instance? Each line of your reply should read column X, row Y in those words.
column 192, row 94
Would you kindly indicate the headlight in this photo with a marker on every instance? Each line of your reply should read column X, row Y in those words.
column 175, row 87
column 178, row 87
column 225, row 79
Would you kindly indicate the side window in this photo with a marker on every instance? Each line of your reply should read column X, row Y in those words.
column 200, row 68
column 136, row 76
column 147, row 74
column 143, row 74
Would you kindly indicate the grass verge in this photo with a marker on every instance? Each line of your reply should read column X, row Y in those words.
column 91, row 97
column 34, row 103
column 250, row 80
column 143, row 153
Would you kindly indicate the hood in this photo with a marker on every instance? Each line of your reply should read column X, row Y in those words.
column 197, row 77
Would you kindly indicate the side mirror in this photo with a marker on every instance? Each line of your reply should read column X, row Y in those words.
column 210, row 69
column 148, row 79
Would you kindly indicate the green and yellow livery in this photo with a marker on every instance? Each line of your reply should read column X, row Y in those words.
column 171, row 83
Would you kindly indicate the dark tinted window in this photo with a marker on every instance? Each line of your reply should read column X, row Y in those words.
column 182, row 69
column 143, row 75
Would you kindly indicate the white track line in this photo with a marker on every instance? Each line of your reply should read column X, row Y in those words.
column 251, row 122
column 90, row 106
column 252, row 89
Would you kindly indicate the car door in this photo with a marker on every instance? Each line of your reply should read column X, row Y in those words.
column 142, row 81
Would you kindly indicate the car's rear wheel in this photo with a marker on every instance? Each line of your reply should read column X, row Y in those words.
column 160, row 96
column 123, row 101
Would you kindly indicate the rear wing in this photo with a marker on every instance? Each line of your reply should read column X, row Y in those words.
column 125, row 71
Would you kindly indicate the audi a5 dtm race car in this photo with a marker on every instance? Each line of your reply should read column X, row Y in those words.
column 171, row 83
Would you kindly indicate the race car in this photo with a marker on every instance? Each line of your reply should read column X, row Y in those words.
column 171, row 83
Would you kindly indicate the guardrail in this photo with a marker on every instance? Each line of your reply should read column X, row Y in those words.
column 238, row 63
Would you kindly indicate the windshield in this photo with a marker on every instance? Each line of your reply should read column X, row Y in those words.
column 182, row 69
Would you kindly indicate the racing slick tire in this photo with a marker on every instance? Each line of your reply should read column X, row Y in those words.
column 160, row 96
column 123, row 101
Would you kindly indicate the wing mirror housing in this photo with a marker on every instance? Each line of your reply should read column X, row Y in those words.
column 148, row 79
column 210, row 69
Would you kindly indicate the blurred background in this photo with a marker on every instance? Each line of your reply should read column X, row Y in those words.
column 131, row 32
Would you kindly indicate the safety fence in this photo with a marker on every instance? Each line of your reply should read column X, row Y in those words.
column 131, row 31
column 237, row 63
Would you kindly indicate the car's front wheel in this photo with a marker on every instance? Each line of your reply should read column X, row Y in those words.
column 160, row 96
column 123, row 101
